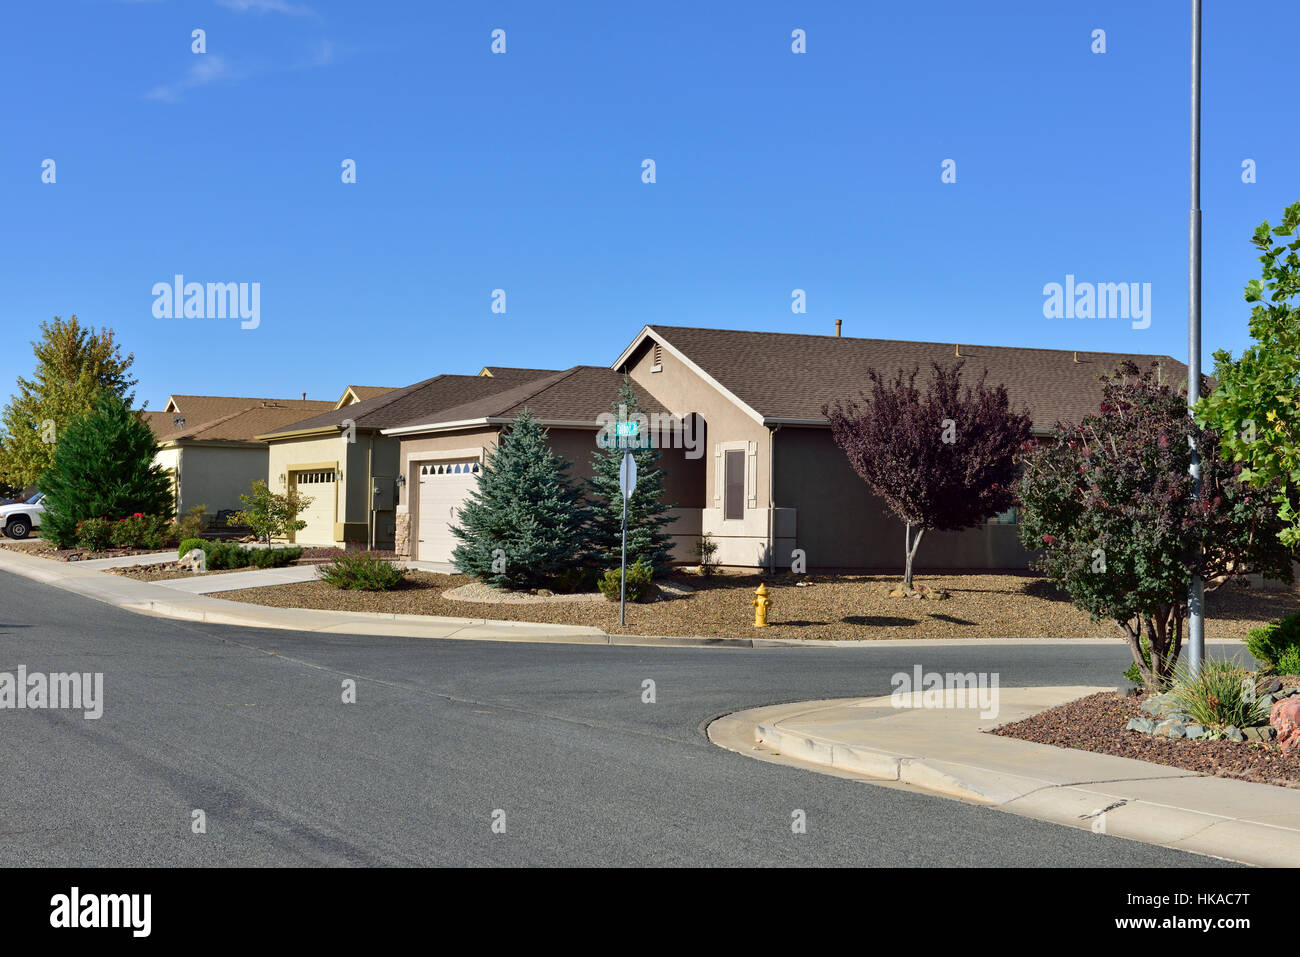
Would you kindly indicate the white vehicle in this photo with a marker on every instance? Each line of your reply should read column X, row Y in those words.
column 19, row 519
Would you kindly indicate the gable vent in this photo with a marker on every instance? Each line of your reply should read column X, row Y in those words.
column 658, row 364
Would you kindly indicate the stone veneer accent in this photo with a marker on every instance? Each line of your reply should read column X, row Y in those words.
column 402, row 543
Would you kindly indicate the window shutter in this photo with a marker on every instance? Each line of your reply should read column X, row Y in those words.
column 751, row 475
column 719, row 475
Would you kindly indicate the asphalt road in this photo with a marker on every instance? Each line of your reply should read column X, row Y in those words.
column 250, row 727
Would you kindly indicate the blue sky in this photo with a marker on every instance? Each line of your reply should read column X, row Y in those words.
column 523, row 172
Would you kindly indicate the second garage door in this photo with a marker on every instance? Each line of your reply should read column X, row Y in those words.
column 317, row 485
column 444, row 486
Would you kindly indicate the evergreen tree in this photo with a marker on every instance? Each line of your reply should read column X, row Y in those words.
column 647, row 516
column 73, row 365
column 103, row 468
column 526, row 522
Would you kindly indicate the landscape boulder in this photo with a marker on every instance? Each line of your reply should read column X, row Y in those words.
column 1285, row 717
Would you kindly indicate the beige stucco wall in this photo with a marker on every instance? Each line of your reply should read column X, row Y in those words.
column 371, row 460
column 727, row 426
column 215, row 476
column 842, row 525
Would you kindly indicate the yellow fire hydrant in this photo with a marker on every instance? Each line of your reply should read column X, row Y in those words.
column 761, row 604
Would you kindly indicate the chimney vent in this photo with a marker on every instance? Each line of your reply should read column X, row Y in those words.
column 838, row 323
column 304, row 397
column 957, row 351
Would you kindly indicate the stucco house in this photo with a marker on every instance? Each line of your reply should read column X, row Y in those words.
column 347, row 466
column 441, row 454
column 773, row 479
column 208, row 445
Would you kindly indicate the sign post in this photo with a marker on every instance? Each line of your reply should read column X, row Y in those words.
column 626, row 484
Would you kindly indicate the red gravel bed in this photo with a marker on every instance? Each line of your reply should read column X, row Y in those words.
column 1096, row 723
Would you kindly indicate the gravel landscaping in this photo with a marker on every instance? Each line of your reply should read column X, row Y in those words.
column 1098, row 723
column 829, row 607
column 43, row 549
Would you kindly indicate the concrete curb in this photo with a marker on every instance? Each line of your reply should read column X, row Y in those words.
column 948, row 756
column 160, row 600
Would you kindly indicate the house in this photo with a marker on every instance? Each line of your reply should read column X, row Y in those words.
column 442, row 453
column 208, row 445
column 773, row 479
column 343, row 462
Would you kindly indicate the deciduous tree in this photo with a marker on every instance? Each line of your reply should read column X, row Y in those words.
column 1111, row 504
column 941, row 459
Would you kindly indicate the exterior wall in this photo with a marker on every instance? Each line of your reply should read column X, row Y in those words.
column 683, row 391
column 578, row 446
column 288, row 455
column 215, row 476
column 842, row 525
column 421, row 448
column 170, row 462
column 369, row 462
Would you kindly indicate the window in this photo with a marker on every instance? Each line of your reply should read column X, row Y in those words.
column 733, row 504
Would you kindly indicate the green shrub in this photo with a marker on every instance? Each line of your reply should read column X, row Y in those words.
column 707, row 549
column 95, row 534
column 273, row 557
column 640, row 582
column 362, row 572
column 191, row 524
column 137, row 531
column 1277, row 645
column 188, row 545
column 1224, row 693
column 1132, row 673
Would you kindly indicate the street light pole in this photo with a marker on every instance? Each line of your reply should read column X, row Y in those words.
column 1196, row 592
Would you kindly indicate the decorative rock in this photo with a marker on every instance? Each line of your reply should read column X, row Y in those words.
column 1233, row 734
column 1270, row 686
column 1146, row 725
column 1285, row 718
column 1195, row 731
column 1259, row 734
column 1172, row 728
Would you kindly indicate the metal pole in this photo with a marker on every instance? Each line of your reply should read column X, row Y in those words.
column 1196, row 593
column 622, row 575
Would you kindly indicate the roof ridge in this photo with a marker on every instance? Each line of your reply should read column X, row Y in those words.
column 917, row 342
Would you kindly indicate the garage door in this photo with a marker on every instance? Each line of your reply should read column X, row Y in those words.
column 319, row 514
column 444, row 486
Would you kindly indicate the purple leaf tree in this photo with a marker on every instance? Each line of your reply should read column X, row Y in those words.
column 940, row 459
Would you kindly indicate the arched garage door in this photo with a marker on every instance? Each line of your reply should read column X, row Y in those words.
column 444, row 486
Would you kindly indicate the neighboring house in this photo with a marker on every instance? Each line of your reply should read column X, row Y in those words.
column 442, row 453
column 208, row 445
column 774, row 479
column 343, row 462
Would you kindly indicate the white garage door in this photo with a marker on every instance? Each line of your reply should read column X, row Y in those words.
column 319, row 514
column 444, row 486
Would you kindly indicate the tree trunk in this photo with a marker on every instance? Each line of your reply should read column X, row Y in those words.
column 909, row 551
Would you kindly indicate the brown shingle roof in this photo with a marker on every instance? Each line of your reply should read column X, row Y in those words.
column 242, row 426
column 791, row 376
column 575, row 395
column 401, row 405
column 206, row 408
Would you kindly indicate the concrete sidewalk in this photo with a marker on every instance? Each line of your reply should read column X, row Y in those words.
column 233, row 581
column 944, row 751
column 181, row 599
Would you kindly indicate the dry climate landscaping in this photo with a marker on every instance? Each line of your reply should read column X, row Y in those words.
column 826, row 607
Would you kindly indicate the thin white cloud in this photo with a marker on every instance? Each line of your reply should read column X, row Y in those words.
column 208, row 68
column 267, row 6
